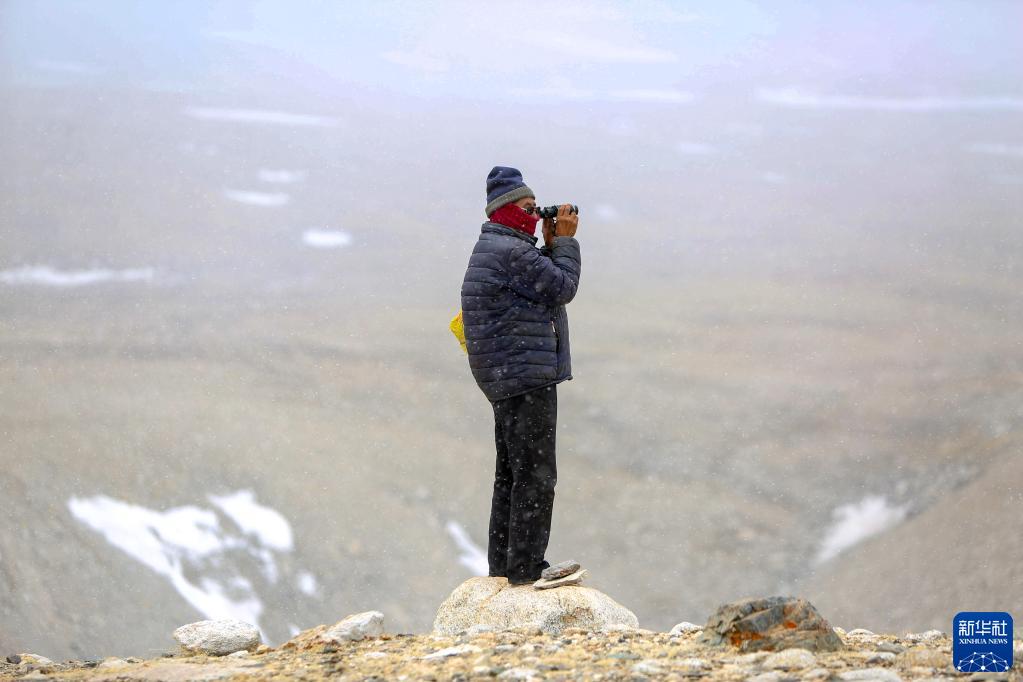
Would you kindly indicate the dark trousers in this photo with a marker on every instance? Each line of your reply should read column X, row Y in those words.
column 520, row 513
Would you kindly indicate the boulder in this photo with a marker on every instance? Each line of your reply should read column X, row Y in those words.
column 355, row 627
column 29, row 659
column 685, row 628
column 491, row 601
column 217, row 637
column 770, row 624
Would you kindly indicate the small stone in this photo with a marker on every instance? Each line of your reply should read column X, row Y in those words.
column 239, row 654
column 570, row 579
column 694, row 665
column 860, row 632
column 890, row 647
column 217, row 637
column 685, row 628
column 873, row 674
column 880, row 657
column 355, row 627
column 647, row 667
column 794, row 658
column 111, row 662
column 14, row 658
column 560, row 570
column 528, row 674
column 459, row 650
column 34, row 659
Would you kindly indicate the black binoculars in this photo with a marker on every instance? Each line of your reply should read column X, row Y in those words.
column 552, row 211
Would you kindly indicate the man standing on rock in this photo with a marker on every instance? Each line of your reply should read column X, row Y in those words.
column 516, row 333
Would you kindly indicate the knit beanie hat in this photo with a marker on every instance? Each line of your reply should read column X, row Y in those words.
column 504, row 185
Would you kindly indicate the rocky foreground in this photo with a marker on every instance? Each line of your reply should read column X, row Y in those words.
column 489, row 630
column 575, row 654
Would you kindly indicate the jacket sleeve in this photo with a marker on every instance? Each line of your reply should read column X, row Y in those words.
column 552, row 279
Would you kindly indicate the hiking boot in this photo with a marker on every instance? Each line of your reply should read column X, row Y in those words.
column 527, row 581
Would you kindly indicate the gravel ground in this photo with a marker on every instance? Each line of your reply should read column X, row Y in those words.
column 519, row 654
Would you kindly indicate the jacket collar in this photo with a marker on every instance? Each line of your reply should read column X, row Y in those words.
column 504, row 229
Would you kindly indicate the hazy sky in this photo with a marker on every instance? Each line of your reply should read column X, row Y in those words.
column 661, row 51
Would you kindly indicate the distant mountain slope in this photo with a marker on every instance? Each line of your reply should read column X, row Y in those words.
column 916, row 576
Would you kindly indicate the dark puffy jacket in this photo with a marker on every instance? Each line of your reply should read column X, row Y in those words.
column 513, row 310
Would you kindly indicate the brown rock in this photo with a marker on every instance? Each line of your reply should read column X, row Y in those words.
column 571, row 579
column 560, row 570
column 770, row 624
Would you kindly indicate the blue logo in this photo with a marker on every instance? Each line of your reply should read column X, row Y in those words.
column 982, row 641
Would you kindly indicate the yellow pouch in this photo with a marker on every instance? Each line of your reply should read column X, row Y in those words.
column 458, row 330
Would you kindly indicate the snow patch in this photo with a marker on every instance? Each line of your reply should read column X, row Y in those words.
column 170, row 543
column 471, row 556
column 268, row 525
column 326, row 239
column 44, row 274
column 307, row 583
column 269, row 199
column 857, row 521
column 258, row 116
column 198, row 555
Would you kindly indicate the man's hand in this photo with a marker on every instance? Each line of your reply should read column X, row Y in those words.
column 567, row 224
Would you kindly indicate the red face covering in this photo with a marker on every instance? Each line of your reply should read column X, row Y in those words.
column 515, row 217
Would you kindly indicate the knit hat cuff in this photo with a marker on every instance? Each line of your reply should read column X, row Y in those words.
column 508, row 197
